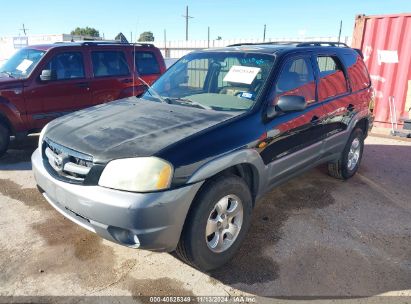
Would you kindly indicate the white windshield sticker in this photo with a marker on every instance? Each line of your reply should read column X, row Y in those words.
column 24, row 65
column 241, row 74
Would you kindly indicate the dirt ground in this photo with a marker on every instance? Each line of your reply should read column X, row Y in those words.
column 314, row 237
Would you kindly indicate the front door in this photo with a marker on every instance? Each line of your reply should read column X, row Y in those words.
column 294, row 138
column 66, row 91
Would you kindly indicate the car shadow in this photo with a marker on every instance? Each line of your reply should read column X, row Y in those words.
column 318, row 237
column 17, row 157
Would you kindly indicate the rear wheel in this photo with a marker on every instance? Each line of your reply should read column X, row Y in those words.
column 349, row 162
column 4, row 139
column 217, row 223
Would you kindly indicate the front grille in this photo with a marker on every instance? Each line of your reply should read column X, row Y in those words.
column 66, row 163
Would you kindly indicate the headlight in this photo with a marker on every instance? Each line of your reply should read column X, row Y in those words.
column 41, row 137
column 140, row 174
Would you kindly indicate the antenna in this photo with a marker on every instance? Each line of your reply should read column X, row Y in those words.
column 134, row 68
column 187, row 17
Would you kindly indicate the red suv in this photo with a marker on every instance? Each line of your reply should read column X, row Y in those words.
column 40, row 83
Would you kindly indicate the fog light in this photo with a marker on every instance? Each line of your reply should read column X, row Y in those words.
column 136, row 241
column 124, row 236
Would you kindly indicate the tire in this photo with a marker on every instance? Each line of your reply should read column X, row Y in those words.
column 4, row 139
column 349, row 162
column 195, row 247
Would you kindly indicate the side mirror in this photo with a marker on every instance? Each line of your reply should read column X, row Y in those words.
column 287, row 103
column 45, row 75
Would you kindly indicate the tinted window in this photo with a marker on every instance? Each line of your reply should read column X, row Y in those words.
column 296, row 78
column 357, row 72
column 109, row 63
column 332, row 79
column 67, row 65
column 146, row 63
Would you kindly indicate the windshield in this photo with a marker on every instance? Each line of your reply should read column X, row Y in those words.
column 22, row 63
column 218, row 81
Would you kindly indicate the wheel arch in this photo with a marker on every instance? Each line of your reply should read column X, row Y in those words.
column 5, row 121
column 363, row 124
column 246, row 164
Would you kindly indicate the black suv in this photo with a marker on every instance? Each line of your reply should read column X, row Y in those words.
column 182, row 167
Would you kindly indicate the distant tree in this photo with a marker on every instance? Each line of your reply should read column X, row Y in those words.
column 146, row 36
column 86, row 31
column 219, row 38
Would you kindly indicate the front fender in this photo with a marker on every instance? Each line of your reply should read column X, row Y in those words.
column 11, row 116
column 219, row 164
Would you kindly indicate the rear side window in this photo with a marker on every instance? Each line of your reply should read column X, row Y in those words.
column 109, row 63
column 332, row 78
column 146, row 63
column 357, row 72
column 68, row 65
column 296, row 78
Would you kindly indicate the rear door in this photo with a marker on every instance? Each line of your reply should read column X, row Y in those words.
column 67, row 91
column 111, row 75
column 294, row 138
column 334, row 92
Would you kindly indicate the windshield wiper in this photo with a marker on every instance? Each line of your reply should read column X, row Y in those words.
column 8, row 74
column 153, row 92
column 192, row 102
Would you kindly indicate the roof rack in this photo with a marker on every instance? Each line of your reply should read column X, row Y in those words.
column 87, row 43
column 323, row 43
column 297, row 43
column 115, row 43
column 266, row 43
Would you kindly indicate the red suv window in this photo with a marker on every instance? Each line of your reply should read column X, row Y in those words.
column 67, row 65
column 146, row 63
column 109, row 63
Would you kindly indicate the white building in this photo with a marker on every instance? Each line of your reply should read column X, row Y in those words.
column 9, row 45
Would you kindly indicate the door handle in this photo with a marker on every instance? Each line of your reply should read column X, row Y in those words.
column 315, row 120
column 82, row 84
column 350, row 107
column 127, row 80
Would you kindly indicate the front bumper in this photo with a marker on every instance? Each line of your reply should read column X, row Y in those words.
column 156, row 218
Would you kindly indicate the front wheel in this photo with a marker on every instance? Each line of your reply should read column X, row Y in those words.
column 349, row 162
column 4, row 139
column 217, row 223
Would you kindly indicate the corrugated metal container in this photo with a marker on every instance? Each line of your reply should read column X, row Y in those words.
column 386, row 44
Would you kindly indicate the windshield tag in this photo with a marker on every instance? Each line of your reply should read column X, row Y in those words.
column 24, row 65
column 241, row 74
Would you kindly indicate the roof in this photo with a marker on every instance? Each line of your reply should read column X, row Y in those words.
column 275, row 47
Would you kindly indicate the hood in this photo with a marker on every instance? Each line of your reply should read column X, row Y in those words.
column 7, row 81
column 130, row 127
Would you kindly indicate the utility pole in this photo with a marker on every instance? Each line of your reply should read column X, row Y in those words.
column 265, row 29
column 339, row 34
column 131, row 37
column 25, row 30
column 208, row 38
column 187, row 16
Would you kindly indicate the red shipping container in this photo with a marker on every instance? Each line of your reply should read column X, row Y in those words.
column 386, row 44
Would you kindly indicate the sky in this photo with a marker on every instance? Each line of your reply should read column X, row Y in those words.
column 229, row 19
